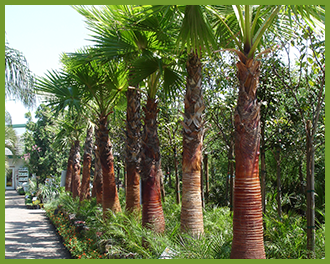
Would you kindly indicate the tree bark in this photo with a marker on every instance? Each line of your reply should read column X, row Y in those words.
column 87, row 161
column 191, row 210
column 133, row 145
column 75, row 185
column 110, row 198
column 68, row 177
column 152, row 210
column 98, row 178
column 247, row 220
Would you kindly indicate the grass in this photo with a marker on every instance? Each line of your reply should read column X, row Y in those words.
column 120, row 235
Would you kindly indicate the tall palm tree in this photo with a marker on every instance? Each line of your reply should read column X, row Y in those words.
column 195, row 37
column 243, row 27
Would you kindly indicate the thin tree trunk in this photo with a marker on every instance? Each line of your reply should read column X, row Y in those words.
column 75, row 185
column 177, row 180
column 110, row 198
column 277, row 156
column 98, row 178
column 263, row 168
column 68, row 177
column 202, row 185
column 191, row 210
column 152, row 210
column 87, row 162
column 247, row 220
column 206, row 169
column 133, row 145
column 310, row 191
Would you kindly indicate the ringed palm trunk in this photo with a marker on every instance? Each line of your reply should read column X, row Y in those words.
column 133, row 145
column 76, row 170
column 87, row 161
column 98, row 178
column 68, row 177
column 191, row 210
column 110, row 195
column 247, row 222
column 152, row 210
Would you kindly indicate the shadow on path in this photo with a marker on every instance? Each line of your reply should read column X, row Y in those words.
column 28, row 233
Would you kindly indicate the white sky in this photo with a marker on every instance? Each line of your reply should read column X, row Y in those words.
column 42, row 33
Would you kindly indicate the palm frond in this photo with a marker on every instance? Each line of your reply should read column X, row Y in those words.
column 196, row 32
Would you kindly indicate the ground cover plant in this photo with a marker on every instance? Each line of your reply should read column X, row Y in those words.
column 89, row 235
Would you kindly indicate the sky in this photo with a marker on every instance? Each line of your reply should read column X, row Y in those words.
column 42, row 33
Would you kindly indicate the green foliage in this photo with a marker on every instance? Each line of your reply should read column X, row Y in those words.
column 40, row 155
column 286, row 238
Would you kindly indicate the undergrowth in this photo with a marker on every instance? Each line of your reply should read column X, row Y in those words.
column 122, row 235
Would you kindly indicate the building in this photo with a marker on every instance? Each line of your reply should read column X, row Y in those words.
column 17, row 173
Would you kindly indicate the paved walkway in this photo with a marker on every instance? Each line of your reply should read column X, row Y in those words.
column 28, row 233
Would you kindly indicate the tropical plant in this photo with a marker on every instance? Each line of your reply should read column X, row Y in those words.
column 115, row 41
column 19, row 80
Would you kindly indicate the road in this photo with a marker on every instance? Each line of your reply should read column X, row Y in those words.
column 28, row 233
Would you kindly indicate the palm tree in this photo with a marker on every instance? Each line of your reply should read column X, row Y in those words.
column 19, row 80
column 60, row 94
column 102, row 86
column 96, row 87
column 244, row 26
column 87, row 162
column 159, row 72
column 195, row 37
column 115, row 41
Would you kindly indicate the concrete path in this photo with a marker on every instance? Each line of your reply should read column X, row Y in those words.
column 28, row 233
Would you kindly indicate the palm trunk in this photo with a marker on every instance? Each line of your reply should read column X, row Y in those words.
column 247, row 222
column 191, row 210
column 152, row 210
column 231, row 173
column 110, row 198
column 68, row 177
column 76, row 170
column 133, row 130
column 87, row 161
column 98, row 178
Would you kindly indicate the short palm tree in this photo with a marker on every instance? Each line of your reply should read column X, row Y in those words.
column 65, row 100
column 243, row 28
column 114, row 40
column 102, row 87
column 96, row 87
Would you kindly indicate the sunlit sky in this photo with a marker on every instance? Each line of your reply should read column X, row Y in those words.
column 42, row 33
